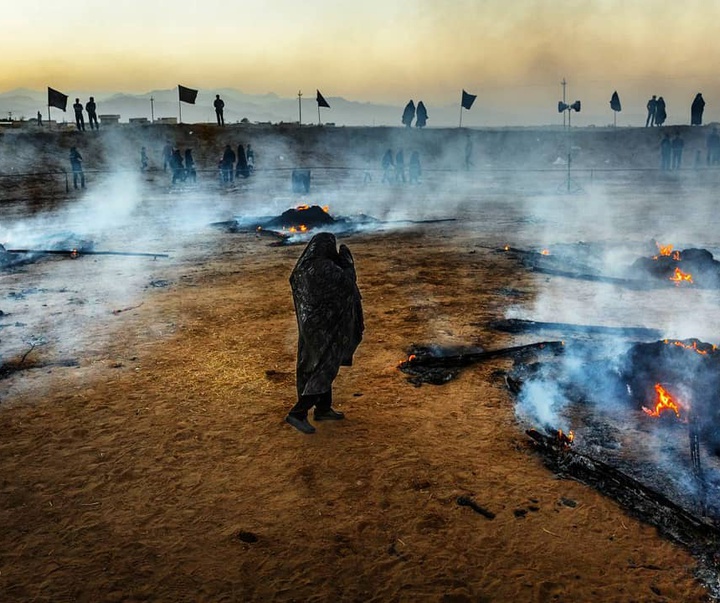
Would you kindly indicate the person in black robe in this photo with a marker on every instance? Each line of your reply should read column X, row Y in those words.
column 421, row 115
column 190, row 171
column 328, row 307
column 414, row 168
column 228, row 161
column 660, row 112
column 408, row 114
column 242, row 168
column 696, row 110
column 91, row 108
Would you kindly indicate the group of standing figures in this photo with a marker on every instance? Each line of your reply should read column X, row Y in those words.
column 419, row 114
column 91, row 108
column 394, row 168
column 657, row 112
column 237, row 165
column 182, row 166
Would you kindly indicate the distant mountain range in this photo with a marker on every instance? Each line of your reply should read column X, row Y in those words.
column 22, row 103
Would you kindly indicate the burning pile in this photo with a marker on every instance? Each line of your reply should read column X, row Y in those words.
column 301, row 219
column 686, row 267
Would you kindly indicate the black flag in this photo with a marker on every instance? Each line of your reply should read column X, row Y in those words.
column 321, row 100
column 468, row 99
column 615, row 102
column 57, row 99
column 187, row 95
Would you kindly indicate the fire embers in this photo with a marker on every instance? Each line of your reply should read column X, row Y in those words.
column 673, row 380
column 682, row 268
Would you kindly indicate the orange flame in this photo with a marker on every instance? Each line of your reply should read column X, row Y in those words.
column 693, row 347
column 545, row 252
column 676, row 256
column 507, row 248
column 326, row 208
column 302, row 207
column 663, row 402
column 681, row 277
column 663, row 250
column 300, row 228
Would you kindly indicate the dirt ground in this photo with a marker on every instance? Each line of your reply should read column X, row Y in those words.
column 160, row 468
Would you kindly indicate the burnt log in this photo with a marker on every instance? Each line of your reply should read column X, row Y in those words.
column 437, row 365
column 700, row 535
column 518, row 325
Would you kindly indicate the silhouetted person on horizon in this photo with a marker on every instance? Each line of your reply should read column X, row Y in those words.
column 79, row 121
column 39, row 119
column 219, row 105
column 665, row 152
column 660, row 112
column 408, row 114
column 696, row 110
column 677, row 150
column 76, row 162
column 421, row 115
column 651, row 108
column 91, row 109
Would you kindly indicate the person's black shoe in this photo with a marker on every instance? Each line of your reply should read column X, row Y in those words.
column 328, row 415
column 300, row 424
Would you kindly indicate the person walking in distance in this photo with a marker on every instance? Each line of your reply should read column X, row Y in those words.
column 79, row 121
column 328, row 308
column 91, row 109
column 76, row 162
column 219, row 105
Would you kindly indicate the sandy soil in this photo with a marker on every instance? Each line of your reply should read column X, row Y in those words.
column 160, row 468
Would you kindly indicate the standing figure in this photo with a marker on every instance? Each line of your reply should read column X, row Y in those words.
column 468, row 152
column 387, row 166
column 677, row 150
column 713, row 148
column 91, row 109
column 228, row 161
column 190, row 171
column 651, row 108
column 79, row 121
column 167, row 155
column 414, row 169
column 39, row 119
column 176, row 163
column 328, row 307
column 696, row 110
column 660, row 112
column 219, row 105
column 400, row 166
column 143, row 159
column 76, row 162
column 242, row 165
column 665, row 152
column 421, row 113
column 408, row 114
column 250, row 158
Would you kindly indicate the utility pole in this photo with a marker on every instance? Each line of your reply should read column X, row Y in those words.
column 564, row 83
column 300, row 107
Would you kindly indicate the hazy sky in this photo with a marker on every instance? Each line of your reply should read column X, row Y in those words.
column 375, row 50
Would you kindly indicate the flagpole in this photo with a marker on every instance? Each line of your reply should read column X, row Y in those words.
column 180, row 107
column 300, row 107
column 48, row 115
column 461, row 108
column 319, row 114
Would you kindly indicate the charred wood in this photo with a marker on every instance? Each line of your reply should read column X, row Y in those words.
column 518, row 325
column 697, row 534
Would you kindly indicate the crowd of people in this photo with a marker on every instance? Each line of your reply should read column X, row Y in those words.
column 393, row 167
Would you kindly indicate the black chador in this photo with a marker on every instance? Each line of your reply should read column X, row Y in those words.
column 329, row 315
